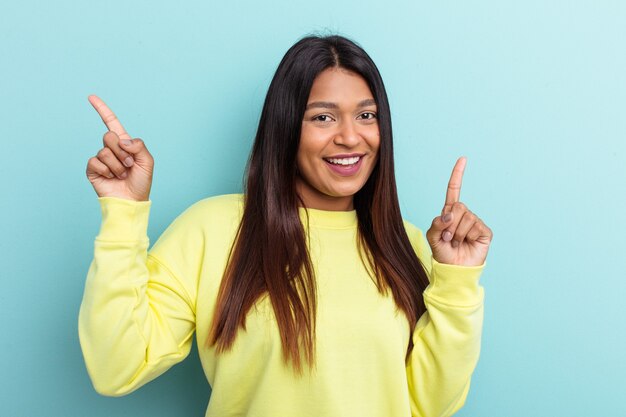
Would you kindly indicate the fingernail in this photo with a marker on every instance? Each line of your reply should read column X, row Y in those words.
column 455, row 243
column 124, row 175
column 447, row 217
column 447, row 236
column 128, row 161
column 125, row 142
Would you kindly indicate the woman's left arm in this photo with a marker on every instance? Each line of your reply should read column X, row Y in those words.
column 458, row 236
column 447, row 337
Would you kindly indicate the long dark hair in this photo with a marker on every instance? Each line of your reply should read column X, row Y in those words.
column 269, row 254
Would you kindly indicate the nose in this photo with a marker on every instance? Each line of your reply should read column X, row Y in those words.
column 347, row 135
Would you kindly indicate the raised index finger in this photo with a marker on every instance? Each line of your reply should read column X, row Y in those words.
column 456, row 179
column 108, row 117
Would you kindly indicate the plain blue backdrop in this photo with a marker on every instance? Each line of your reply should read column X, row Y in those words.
column 533, row 93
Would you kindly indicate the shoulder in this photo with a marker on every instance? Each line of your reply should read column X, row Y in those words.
column 221, row 213
column 210, row 223
column 418, row 240
column 414, row 232
column 226, row 205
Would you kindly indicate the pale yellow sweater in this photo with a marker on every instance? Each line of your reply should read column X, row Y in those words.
column 141, row 308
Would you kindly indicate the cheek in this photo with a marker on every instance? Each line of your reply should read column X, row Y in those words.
column 376, row 136
column 374, row 142
column 302, row 168
column 305, row 156
column 310, row 147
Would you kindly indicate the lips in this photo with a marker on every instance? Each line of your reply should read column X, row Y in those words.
column 343, row 161
column 344, row 165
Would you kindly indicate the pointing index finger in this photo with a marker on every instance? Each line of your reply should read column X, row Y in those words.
column 454, row 185
column 108, row 117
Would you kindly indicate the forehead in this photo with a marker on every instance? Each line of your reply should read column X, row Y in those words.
column 341, row 86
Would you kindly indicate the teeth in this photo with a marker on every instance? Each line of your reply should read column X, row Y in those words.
column 344, row 161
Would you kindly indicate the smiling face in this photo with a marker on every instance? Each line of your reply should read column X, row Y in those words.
column 339, row 141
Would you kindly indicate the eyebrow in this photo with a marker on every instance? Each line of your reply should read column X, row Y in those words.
column 330, row 105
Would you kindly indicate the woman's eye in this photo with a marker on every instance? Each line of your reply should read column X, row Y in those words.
column 367, row 116
column 322, row 118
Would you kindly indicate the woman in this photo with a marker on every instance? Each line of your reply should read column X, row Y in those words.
column 309, row 294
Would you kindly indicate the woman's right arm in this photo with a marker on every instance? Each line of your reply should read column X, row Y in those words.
column 137, row 316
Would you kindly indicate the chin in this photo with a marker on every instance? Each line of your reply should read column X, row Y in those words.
column 344, row 192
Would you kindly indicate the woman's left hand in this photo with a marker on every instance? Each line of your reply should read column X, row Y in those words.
column 458, row 236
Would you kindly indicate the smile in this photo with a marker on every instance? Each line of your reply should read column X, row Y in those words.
column 345, row 166
column 344, row 161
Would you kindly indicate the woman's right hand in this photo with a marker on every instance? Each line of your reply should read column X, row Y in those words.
column 123, row 167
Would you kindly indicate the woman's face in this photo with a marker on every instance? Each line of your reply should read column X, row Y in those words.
column 339, row 140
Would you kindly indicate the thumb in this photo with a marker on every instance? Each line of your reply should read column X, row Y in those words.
column 137, row 148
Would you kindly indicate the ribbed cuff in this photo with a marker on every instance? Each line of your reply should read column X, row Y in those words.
column 455, row 284
column 123, row 220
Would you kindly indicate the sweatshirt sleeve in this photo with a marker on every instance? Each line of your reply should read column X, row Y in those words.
column 137, row 316
column 447, row 337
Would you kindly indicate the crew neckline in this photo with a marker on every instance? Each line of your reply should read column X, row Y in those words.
column 328, row 219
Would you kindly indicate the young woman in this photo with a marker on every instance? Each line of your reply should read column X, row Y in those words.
column 309, row 294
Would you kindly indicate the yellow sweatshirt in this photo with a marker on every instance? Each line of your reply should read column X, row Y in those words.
column 140, row 310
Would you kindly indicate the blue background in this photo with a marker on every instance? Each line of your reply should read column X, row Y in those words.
column 533, row 93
